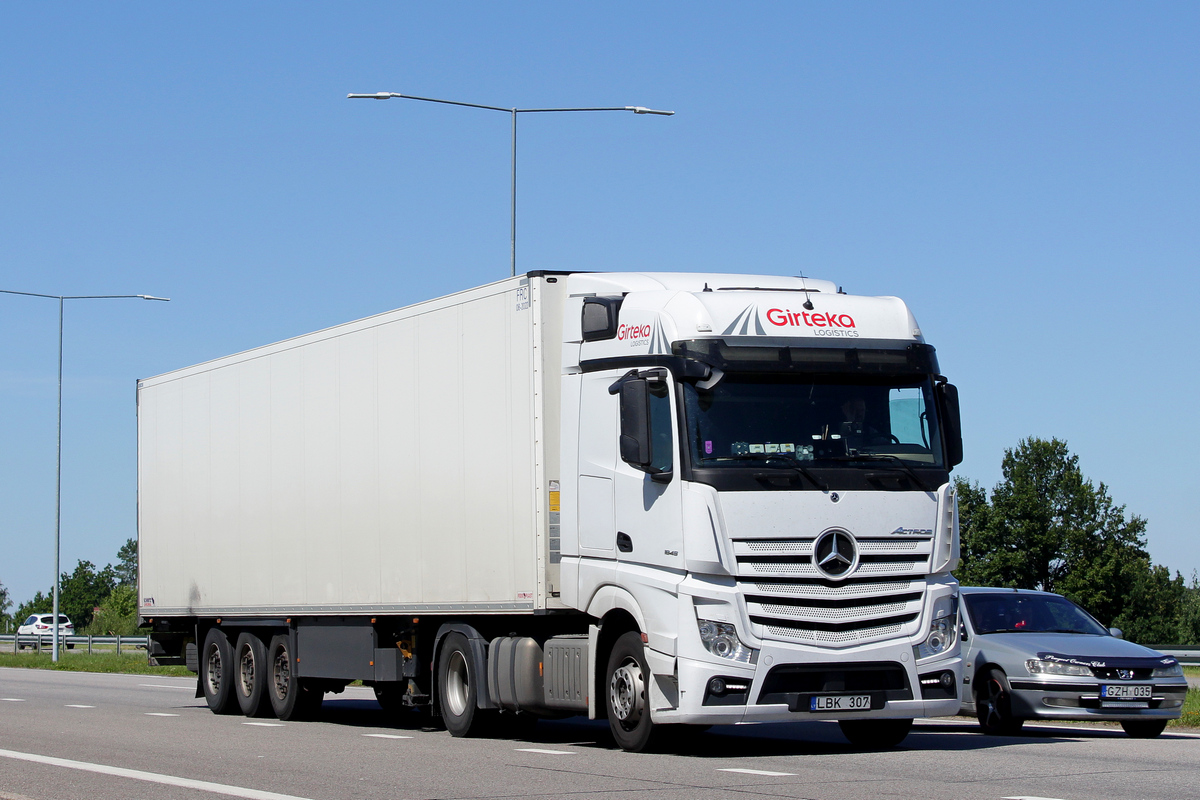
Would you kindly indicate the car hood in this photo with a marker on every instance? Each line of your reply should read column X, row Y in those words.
column 1082, row 646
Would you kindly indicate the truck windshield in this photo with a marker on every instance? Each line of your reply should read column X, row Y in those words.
column 748, row 420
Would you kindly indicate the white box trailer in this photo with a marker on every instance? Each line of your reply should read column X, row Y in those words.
column 397, row 464
column 664, row 499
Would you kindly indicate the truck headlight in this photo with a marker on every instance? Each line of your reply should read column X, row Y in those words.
column 1173, row 671
column 943, row 630
column 721, row 639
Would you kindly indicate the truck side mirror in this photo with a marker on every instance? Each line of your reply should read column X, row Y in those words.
column 635, row 423
column 952, row 423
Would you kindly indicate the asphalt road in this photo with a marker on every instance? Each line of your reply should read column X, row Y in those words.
column 77, row 736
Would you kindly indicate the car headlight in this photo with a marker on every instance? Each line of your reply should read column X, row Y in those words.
column 1173, row 671
column 721, row 639
column 943, row 630
column 1038, row 667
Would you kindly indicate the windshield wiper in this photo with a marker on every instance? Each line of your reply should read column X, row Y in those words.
column 791, row 461
column 864, row 457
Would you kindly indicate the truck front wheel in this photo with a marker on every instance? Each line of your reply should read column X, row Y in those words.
column 216, row 673
column 627, row 693
column 875, row 734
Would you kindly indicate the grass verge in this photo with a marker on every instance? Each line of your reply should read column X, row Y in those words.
column 1191, row 711
column 131, row 663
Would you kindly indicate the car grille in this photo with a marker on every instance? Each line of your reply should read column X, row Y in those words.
column 789, row 600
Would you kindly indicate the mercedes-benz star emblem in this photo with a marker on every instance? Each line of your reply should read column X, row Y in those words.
column 835, row 554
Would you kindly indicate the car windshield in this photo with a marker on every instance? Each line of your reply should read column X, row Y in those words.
column 823, row 421
column 1028, row 613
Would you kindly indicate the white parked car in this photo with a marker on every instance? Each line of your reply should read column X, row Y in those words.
column 1037, row 655
column 42, row 625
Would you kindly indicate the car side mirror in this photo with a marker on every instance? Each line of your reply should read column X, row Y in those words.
column 952, row 423
column 1116, row 633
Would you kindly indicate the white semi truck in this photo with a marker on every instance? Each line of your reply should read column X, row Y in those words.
column 665, row 499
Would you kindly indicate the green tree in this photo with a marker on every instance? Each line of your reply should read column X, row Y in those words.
column 1188, row 627
column 127, row 563
column 83, row 590
column 1048, row 527
column 117, row 614
column 1151, row 613
column 5, row 604
column 40, row 604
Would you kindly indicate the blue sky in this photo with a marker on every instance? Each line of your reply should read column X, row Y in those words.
column 1026, row 176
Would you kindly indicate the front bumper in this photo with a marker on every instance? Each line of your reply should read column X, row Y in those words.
column 1060, row 699
column 779, row 687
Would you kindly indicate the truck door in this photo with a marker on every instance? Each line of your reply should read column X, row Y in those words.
column 648, row 504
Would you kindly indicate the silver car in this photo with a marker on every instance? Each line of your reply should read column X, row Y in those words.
column 1037, row 655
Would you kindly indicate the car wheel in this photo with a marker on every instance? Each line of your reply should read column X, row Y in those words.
column 993, row 705
column 875, row 734
column 216, row 673
column 458, row 695
column 1144, row 728
column 627, row 694
column 250, row 676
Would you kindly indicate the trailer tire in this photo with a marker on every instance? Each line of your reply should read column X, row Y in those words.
column 626, row 692
column 250, row 676
column 288, row 695
column 216, row 673
column 875, row 734
column 457, row 693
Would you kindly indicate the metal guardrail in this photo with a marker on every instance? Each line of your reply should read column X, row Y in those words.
column 46, row 642
column 1185, row 653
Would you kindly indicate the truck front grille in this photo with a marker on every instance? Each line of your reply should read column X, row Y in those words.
column 788, row 599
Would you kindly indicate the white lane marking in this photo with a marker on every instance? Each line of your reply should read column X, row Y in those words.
column 75, row 705
column 165, row 686
column 387, row 736
column 1030, row 797
column 159, row 714
column 13, row 699
column 151, row 777
column 547, row 752
column 265, row 724
column 757, row 772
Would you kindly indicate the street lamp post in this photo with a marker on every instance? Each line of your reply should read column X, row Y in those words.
column 513, row 112
column 58, row 465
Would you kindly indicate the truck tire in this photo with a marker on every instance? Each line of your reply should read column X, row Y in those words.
column 288, row 695
column 993, row 705
column 457, row 695
column 216, row 673
column 626, row 693
column 875, row 734
column 250, row 676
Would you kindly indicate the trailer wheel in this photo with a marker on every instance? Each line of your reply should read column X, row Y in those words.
column 875, row 734
column 457, row 692
column 216, row 673
column 627, row 682
column 290, row 698
column 250, row 676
